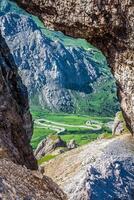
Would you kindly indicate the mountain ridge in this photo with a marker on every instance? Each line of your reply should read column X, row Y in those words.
column 58, row 72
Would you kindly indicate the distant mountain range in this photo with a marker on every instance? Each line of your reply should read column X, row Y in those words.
column 62, row 74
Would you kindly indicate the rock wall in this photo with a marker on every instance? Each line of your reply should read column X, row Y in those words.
column 15, row 118
column 107, row 24
column 16, row 181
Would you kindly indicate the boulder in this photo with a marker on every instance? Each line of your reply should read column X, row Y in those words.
column 48, row 145
column 71, row 144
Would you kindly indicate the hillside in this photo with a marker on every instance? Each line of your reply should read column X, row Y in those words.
column 100, row 170
column 61, row 73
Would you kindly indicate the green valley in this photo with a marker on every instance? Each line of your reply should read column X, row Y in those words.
column 69, row 126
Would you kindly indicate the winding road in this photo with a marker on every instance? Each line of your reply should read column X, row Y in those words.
column 61, row 127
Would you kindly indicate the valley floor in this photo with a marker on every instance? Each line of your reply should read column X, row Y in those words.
column 60, row 127
column 103, row 169
column 82, row 128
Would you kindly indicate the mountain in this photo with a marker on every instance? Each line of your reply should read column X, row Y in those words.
column 106, row 24
column 19, row 178
column 62, row 74
column 100, row 170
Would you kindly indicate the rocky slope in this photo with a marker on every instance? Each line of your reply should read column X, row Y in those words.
column 17, row 181
column 103, row 169
column 49, row 145
column 106, row 24
column 57, row 70
column 15, row 118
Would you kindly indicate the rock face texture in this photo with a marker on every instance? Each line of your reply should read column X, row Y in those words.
column 15, row 118
column 17, row 182
column 103, row 169
column 48, row 145
column 119, row 124
column 72, row 144
column 106, row 24
column 60, row 74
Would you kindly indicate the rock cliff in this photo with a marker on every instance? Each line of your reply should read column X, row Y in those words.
column 60, row 72
column 106, row 24
column 15, row 118
column 17, row 181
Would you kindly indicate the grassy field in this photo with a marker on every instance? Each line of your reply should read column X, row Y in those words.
column 80, row 135
column 80, row 138
column 39, row 134
column 67, row 118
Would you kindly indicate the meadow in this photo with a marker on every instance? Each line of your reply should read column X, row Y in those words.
column 80, row 135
